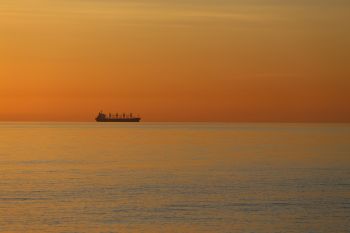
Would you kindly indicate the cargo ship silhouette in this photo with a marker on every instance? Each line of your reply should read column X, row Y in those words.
column 101, row 117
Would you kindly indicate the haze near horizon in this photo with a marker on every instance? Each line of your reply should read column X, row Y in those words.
column 285, row 61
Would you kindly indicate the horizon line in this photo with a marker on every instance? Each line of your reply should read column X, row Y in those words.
column 242, row 122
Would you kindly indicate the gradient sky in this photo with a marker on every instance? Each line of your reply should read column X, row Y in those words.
column 193, row 60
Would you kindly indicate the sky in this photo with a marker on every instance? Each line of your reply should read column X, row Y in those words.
column 193, row 60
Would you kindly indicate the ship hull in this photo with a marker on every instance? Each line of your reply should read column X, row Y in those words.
column 119, row 120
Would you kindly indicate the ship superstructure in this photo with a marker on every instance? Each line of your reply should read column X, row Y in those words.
column 123, row 117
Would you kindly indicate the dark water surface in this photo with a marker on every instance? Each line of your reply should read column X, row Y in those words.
column 157, row 177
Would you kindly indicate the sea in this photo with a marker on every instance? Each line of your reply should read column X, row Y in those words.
column 174, row 177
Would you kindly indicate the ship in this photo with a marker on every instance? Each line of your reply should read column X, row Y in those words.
column 101, row 117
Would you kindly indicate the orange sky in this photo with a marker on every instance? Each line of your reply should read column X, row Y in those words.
column 257, row 60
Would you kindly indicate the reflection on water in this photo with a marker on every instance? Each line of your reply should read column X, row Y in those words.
column 90, row 177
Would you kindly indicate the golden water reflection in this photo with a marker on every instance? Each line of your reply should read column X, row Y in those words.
column 153, row 177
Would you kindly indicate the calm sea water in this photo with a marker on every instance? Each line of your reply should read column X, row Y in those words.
column 150, row 177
